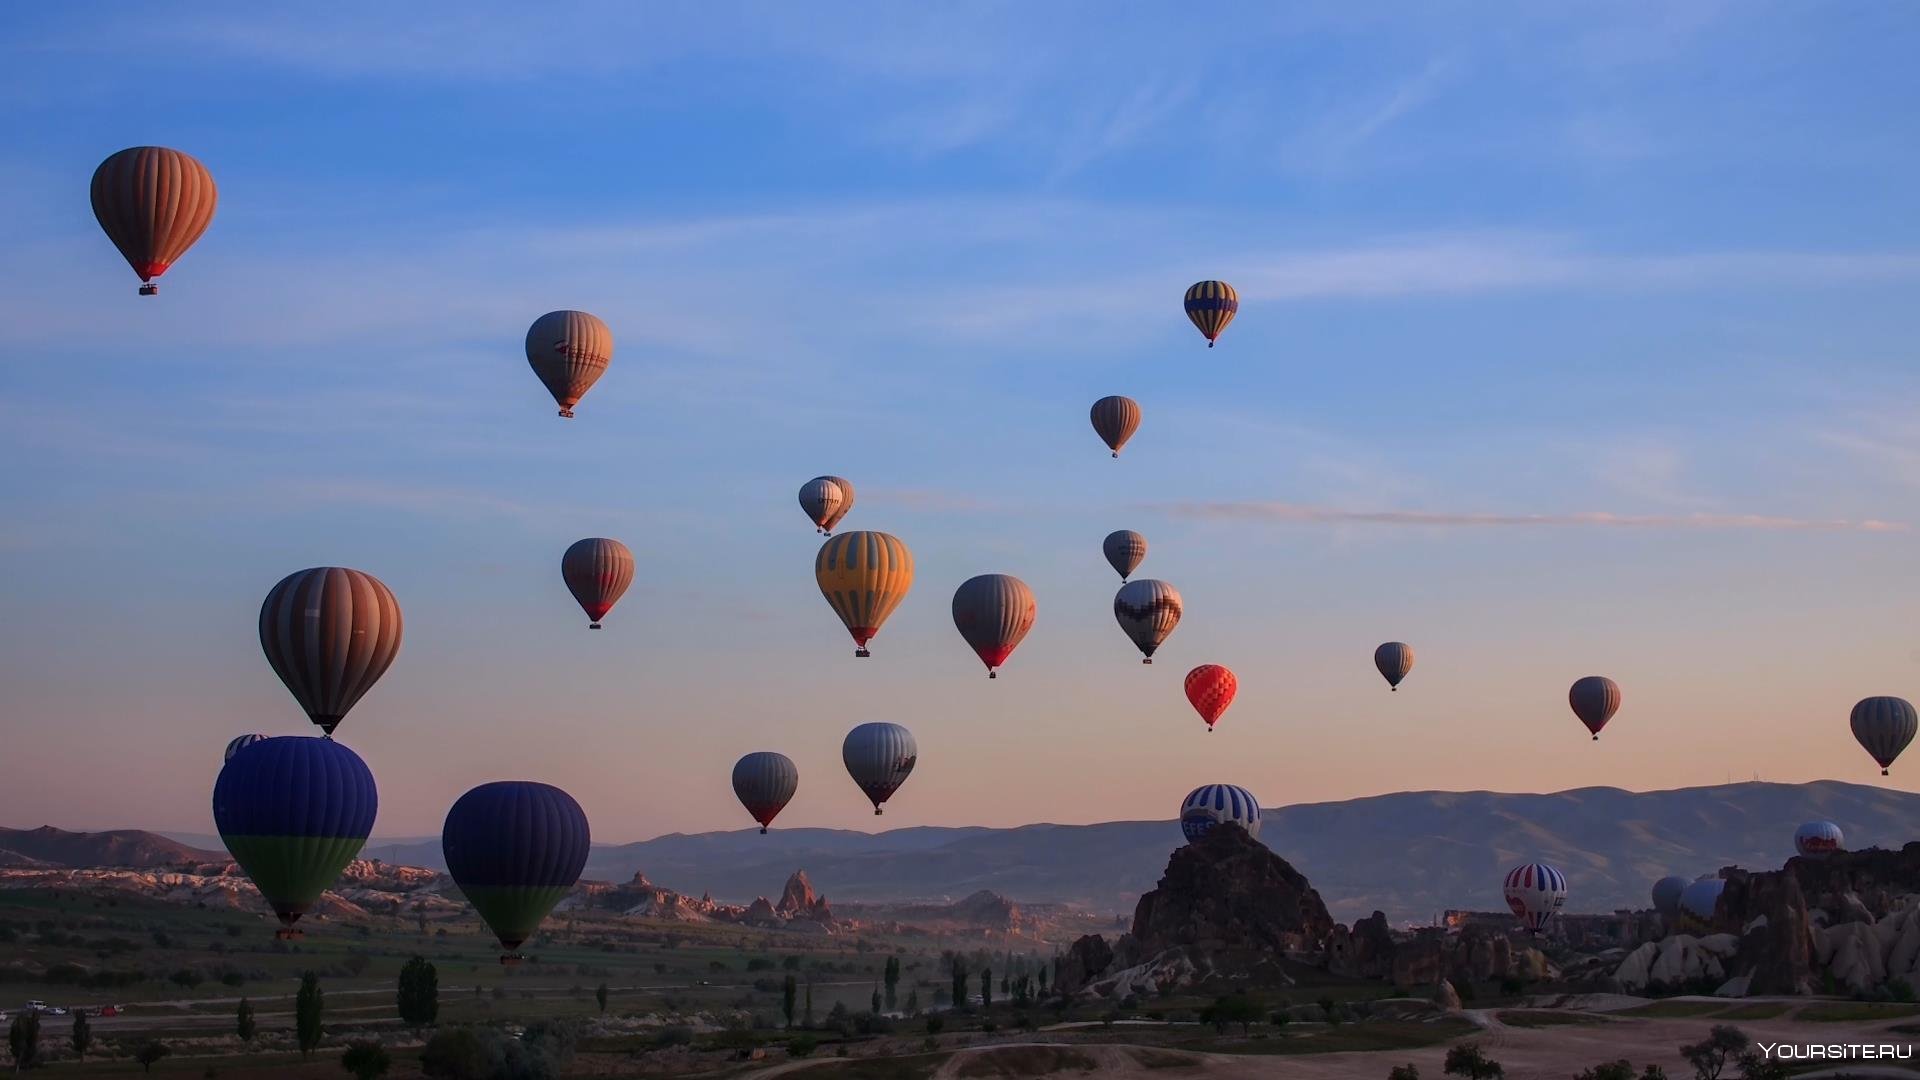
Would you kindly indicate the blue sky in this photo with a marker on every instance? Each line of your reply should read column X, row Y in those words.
column 1575, row 338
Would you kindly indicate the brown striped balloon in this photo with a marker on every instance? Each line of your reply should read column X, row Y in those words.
column 330, row 633
column 1116, row 418
column 153, row 203
column 993, row 612
column 597, row 572
column 1594, row 700
column 569, row 351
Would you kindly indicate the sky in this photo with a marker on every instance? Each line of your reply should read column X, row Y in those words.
column 1574, row 339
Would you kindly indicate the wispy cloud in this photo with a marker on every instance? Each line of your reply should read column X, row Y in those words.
column 1329, row 145
column 1297, row 513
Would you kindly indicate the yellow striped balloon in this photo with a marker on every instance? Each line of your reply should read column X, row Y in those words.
column 1212, row 305
column 864, row 575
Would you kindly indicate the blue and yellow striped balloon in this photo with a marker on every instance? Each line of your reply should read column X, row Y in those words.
column 1212, row 305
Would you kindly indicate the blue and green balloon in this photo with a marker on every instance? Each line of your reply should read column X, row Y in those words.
column 293, row 812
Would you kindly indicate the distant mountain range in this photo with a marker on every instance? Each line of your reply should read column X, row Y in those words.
column 1409, row 854
column 51, row 848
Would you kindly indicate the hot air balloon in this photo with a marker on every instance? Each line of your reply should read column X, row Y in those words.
column 597, row 572
column 153, row 203
column 993, row 612
column 241, row 743
column 1666, row 894
column 1211, row 305
column 1595, row 699
column 1702, row 897
column 1116, row 419
column 879, row 757
column 1884, row 726
column 864, row 575
column 1819, row 838
column 294, row 811
column 1211, row 804
column 1147, row 610
column 1394, row 659
column 1535, row 892
column 569, row 351
column 1210, row 687
column 1125, row 550
column 515, row 848
column 765, row 782
column 330, row 633
column 826, row 499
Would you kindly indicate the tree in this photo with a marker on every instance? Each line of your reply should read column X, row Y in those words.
column 806, row 1018
column 1609, row 1070
column 1408, row 1071
column 934, row 1023
column 1043, row 980
column 789, row 989
column 462, row 1053
column 23, row 1038
column 1653, row 1072
column 959, row 983
column 365, row 1059
column 892, row 977
column 986, row 988
column 243, row 1021
column 1710, row 1055
column 913, row 1003
column 1468, row 1060
column 876, row 1001
column 82, row 1034
column 151, row 1051
column 1755, row 1065
column 307, row 1006
column 600, row 995
column 1232, row 1009
column 419, row 994
column 356, row 963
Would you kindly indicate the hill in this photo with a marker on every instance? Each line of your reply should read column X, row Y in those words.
column 49, row 847
column 1409, row 854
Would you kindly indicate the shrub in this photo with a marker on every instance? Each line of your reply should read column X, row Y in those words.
column 366, row 1060
column 1468, row 1060
column 1408, row 1071
column 801, row 1045
column 673, row 1035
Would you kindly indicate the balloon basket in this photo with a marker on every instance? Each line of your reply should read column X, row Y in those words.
column 510, row 959
column 149, row 289
column 289, row 933
column 876, row 811
column 1147, row 660
column 763, row 830
column 593, row 626
column 993, row 674
column 861, row 653
column 567, row 413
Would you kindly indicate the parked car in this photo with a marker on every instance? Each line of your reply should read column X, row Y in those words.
column 109, row 1010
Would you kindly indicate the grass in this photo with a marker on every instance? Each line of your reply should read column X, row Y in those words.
column 1539, row 1018
column 1759, row 1010
column 1841, row 1012
column 913, row 1067
column 1023, row 1061
column 1672, row 1010
column 1368, row 1036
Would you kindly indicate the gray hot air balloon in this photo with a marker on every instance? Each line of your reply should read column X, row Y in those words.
column 329, row 633
column 826, row 499
column 1147, row 610
column 569, row 351
column 1818, row 838
column 597, row 572
column 1394, row 659
column 993, row 612
column 1125, row 549
column 1115, row 419
column 1884, row 726
column 879, row 757
column 1666, row 894
column 1594, row 700
column 765, row 782
column 1700, row 898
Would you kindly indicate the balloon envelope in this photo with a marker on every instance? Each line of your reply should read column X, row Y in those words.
column 329, row 633
column 1666, row 894
column 1594, row 700
column 569, row 351
column 1210, row 689
column 864, row 576
column 764, row 782
column 236, row 745
column 597, row 572
column 879, row 757
column 1393, row 660
column 293, row 812
column 826, row 499
column 1699, row 898
column 1115, row 419
column 153, row 203
column 1535, row 892
column 1211, row 305
column 515, row 848
column 1884, row 726
column 993, row 613
column 1125, row 550
column 1819, row 838
column 1212, row 804
column 1147, row 611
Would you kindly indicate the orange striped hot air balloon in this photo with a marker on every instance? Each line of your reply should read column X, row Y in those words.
column 864, row 575
column 329, row 633
column 1211, row 305
column 569, row 351
column 153, row 203
column 1115, row 419
column 1210, row 688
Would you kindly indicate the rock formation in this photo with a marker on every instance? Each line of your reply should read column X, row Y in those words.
column 798, row 901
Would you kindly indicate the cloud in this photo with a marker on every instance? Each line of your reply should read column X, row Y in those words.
column 1298, row 513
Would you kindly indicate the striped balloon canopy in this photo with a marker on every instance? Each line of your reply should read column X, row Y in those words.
column 1213, row 804
column 1147, row 610
column 515, row 848
column 597, row 572
column 239, row 743
column 765, row 782
column 330, row 633
column 153, row 203
column 1535, row 892
column 1125, row 551
column 569, row 351
column 993, row 613
column 1883, row 726
column 294, row 811
column 1393, row 660
column 1594, row 700
column 1210, row 306
column 879, row 757
column 825, row 500
column 864, row 576
column 1115, row 419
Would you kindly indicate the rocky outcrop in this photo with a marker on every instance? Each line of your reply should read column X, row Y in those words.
column 1845, row 917
column 1677, row 962
column 1446, row 997
column 798, row 901
column 1365, row 952
column 1231, row 899
column 1086, row 960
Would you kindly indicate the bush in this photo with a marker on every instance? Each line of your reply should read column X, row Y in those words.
column 987, row 1025
column 1408, row 1071
column 801, row 1045
column 151, row 1052
column 1280, row 1019
column 1468, row 1060
column 673, row 1035
column 366, row 1060
column 1609, row 1070
column 935, row 1023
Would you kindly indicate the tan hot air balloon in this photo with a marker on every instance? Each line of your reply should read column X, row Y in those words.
column 153, row 204
column 597, row 571
column 864, row 575
column 329, row 633
column 1115, row 419
column 569, row 351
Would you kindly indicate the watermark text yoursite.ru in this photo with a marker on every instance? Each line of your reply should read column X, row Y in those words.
column 1837, row 1051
